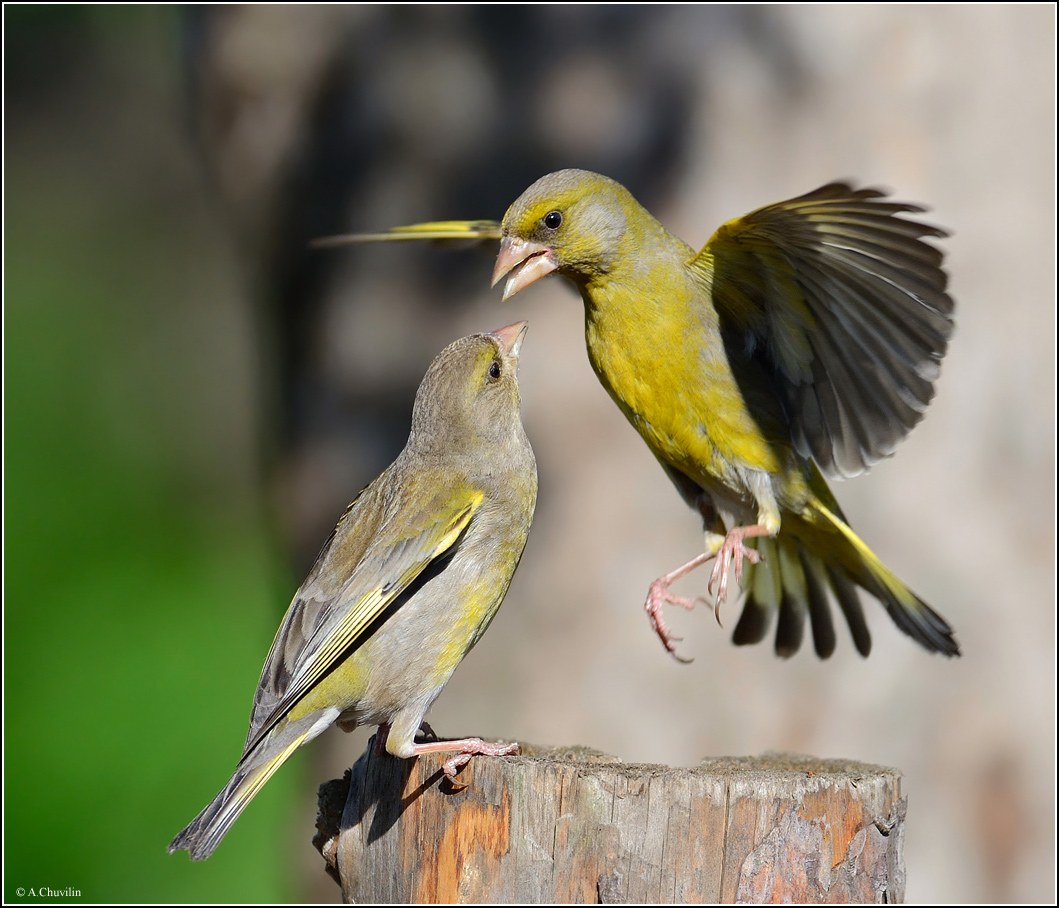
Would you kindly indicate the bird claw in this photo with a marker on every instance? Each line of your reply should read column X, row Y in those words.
column 733, row 549
column 452, row 766
column 657, row 596
column 476, row 747
column 462, row 751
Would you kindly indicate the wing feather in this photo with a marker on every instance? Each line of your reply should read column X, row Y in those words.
column 847, row 303
column 320, row 628
column 430, row 230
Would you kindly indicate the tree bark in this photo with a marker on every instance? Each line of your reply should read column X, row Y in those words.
column 574, row 825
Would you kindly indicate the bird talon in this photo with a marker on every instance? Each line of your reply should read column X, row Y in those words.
column 718, row 578
column 452, row 766
column 657, row 596
column 730, row 557
column 462, row 750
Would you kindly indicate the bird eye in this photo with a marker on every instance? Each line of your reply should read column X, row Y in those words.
column 494, row 370
column 553, row 219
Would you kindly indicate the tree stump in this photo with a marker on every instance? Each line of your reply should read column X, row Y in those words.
column 574, row 825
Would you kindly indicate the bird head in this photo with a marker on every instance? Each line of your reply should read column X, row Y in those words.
column 570, row 222
column 470, row 393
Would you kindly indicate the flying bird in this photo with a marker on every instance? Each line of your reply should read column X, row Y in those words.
column 801, row 342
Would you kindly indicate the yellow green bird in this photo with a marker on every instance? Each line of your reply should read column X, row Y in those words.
column 407, row 583
column 804, row 339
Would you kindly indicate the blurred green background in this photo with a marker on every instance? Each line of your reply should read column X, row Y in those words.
column 190, row 399
column 141, row 583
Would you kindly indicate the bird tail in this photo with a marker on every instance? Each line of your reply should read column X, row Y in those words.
column 804, row 561
column 204, row 833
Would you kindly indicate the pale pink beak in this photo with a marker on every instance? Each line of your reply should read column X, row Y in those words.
column 531, row 262
column 511, row 337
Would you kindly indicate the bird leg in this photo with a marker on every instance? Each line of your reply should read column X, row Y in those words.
column 463, row 750
column 384, row 732
column 726, row 549
column 659, row 594
column 380, row 739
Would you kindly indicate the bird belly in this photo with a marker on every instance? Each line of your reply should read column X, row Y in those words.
column 678, row 392
column 403, row 666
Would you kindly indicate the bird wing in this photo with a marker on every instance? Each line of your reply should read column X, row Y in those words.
column 319, row 629
column 846, row 303
column 432, row 230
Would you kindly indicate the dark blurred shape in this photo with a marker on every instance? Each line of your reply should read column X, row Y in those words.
column 340, row 118
column 44, row 46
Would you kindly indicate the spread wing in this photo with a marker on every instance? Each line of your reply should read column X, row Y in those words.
column 847, row 305
column 433, row 230
column 363, row 568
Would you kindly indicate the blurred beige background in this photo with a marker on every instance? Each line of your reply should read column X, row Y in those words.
column 953, row 107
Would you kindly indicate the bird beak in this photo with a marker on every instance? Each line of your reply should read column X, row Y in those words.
column 511, row 338
column 531, row 262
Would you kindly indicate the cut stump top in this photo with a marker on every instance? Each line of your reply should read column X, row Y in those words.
column 574, row 825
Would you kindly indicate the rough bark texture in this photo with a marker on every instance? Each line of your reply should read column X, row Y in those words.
column 574, row 825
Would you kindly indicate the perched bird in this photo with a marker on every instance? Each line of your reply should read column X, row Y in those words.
column 804, row 339
column 406, row 584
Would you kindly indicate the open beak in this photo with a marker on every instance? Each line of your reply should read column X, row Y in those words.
column 511, row 338
column 530, row 261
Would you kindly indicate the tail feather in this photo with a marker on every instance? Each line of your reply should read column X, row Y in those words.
column 763, row 595
column 910, row 613
column 753, row 623
column 849, row 602
column 780, row 583
column 203, row 834
column 819, row 610
column 790, row 629
column 800, row 565
column 794, row 603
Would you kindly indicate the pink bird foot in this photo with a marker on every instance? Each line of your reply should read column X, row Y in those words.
column 733, row 550
column 658, row 595
column 463, row 749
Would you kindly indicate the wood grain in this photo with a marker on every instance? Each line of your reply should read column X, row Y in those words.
column 576, row 826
